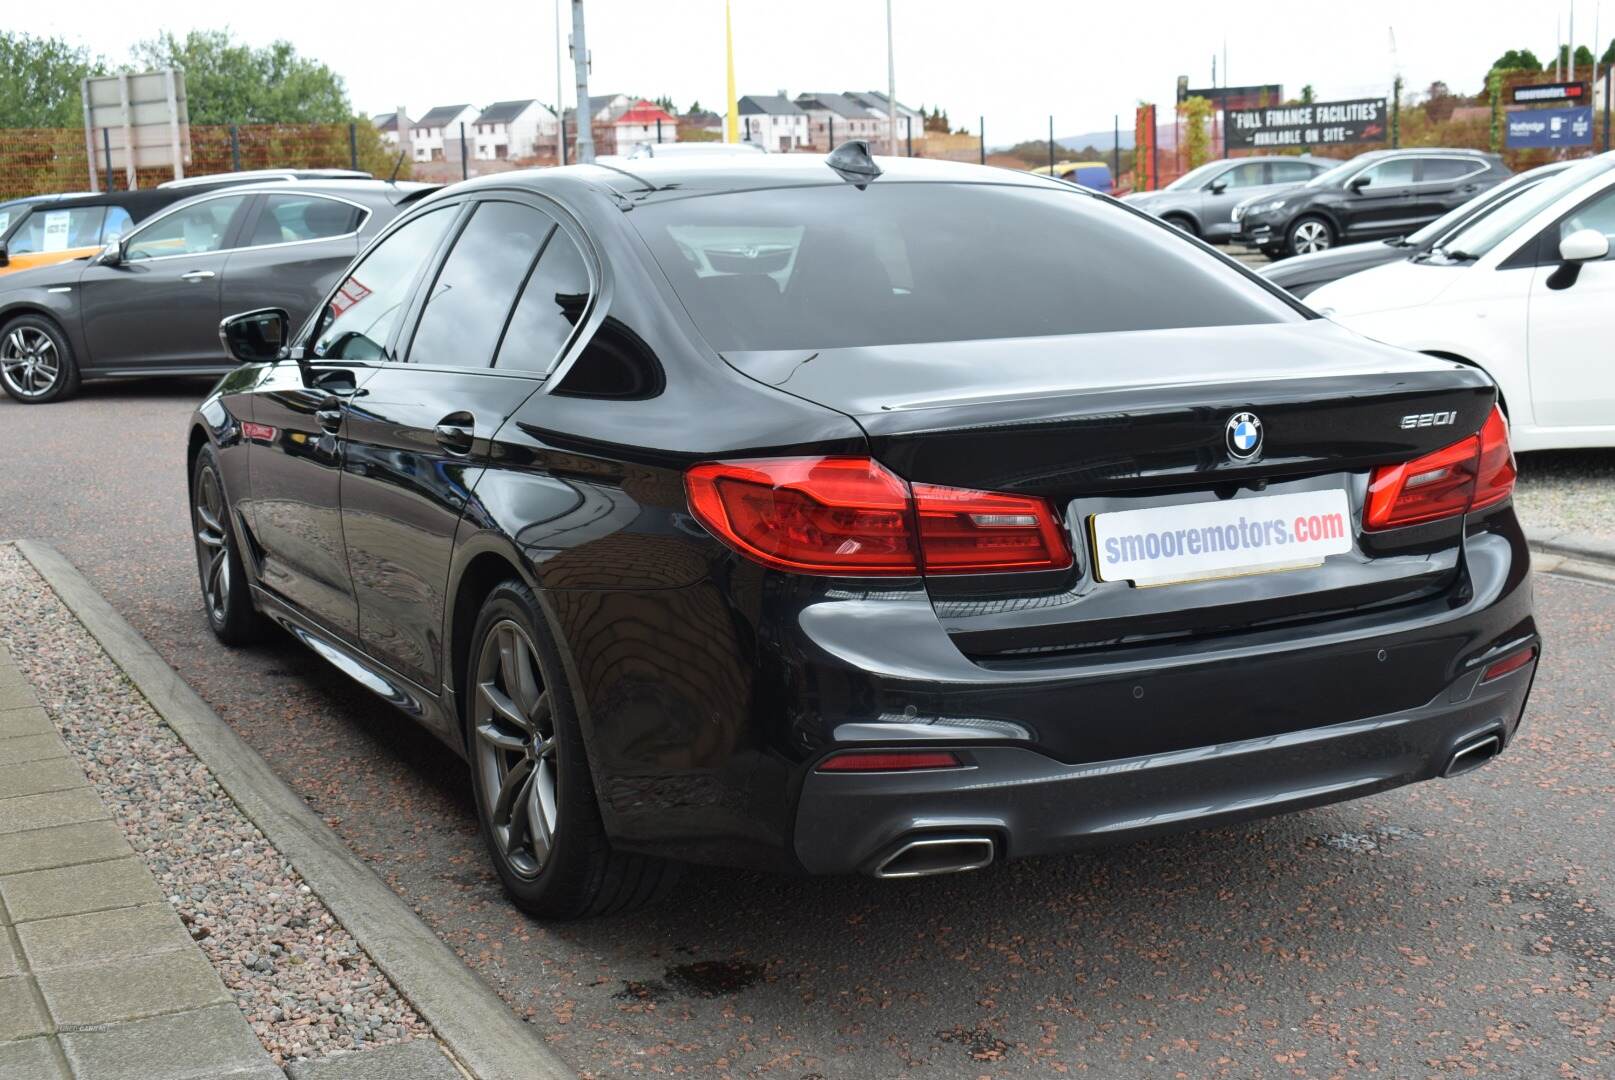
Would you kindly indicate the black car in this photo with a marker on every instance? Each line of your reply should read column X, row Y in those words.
column 151, row 305
column 1304, row 273
column 1374, row 195
column 775, row 514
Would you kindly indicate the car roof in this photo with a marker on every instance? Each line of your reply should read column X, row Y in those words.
column 650, row 179
column 396, row 193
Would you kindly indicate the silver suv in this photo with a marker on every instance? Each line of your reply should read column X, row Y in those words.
column 1202, row 200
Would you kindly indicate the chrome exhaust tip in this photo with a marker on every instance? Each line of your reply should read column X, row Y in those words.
column 1472, row 755
column 925, row 856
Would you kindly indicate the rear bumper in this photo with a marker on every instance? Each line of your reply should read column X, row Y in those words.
column 1030, row 804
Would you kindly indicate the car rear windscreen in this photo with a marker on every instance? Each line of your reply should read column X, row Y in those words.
column 898, row 263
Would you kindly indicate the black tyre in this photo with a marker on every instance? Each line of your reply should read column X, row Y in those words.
column 225, row 595
column 1308, row 234
column 530, row 774
column 36, row 362
column 1178, row 221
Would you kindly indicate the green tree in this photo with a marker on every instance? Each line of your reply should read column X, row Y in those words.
column 230, row 83
column 40, row 81
column 1197, row 112
column 665, row 103
column 1609, row 53
column 1308, row 95
column 1516, row 60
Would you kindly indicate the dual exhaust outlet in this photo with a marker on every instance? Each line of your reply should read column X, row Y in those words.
column 926, row 856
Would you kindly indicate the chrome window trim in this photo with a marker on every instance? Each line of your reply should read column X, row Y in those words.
column 239, row 194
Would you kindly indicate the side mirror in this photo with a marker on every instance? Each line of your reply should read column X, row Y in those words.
column 1581, row 246
column 111, row 254
column 1358, row 183
column 5, row 255
column 255, row 337
column 1219, row 186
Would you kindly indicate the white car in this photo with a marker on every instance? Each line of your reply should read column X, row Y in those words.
column 1526, row 293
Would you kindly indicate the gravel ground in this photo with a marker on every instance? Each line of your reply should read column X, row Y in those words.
column 1572, row 490
column 302, row 981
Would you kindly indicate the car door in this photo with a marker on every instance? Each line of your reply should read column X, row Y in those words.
column 1445, row 183
column 1221, row 194
column 158, row 306
column 296, row 459
column 1383, row 206
column 293, row 248
column 1570, row 328
column 417, row 441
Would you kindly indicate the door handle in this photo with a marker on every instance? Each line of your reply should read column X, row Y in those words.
column 196, row 275
column 456, row 432
column 329, row 417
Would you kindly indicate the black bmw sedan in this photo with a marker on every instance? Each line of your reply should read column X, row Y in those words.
column 150, row 303
column 802, row 514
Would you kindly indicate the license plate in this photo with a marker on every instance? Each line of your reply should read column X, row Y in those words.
column 1164, row 545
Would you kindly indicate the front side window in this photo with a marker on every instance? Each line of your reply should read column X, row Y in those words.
column 1597, row 214
column 1486, row 232
column 48, row 230
column 1244, row 176
column 470, row 300
column 361, row 314
column 1398, row 172
column 288, row 219
column 831, row 266
column 190, row 230
column 550, row 308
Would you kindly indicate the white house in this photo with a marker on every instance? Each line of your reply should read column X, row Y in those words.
column 436, row 136
column 910, row 124
column 835, row 118
column 644, row 123
column 772, row 121
column 512, row 129
column 393, row 126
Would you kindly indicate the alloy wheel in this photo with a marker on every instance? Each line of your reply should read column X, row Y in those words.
column 29, row 362
column 212, row 545
column 515, row 748
column 1310, row 236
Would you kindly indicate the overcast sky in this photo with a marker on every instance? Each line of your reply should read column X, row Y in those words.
column 1014, row 61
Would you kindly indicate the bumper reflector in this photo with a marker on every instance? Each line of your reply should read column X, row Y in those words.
column 1509, row 664
column 889, row 760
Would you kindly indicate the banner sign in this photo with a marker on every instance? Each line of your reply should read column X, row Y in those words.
column 1234, row 97
column 1323, row 123
column 1550, row 127
column 1558, row 91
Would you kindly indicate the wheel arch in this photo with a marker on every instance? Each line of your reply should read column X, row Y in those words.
column 1323, row 212
column 1187, row 216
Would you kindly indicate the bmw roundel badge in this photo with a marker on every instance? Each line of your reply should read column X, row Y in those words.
column 1244, row 436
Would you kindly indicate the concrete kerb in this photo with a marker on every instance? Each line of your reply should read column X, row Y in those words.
column 488, row 1040
column 1572, row 554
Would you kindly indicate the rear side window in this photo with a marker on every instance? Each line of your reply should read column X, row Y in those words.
column 550, row 308
column 287, row 219
column 1436, row 169
column 832, row 266
column 364, row 309
column 1294, row 172
column 471, row 298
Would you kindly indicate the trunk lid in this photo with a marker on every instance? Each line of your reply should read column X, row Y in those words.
column 1107, row 423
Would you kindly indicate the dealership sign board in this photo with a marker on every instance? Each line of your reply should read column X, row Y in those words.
column 1323, row 123
column 1541, row 93
column 136, row 121
column 1550, row 127
column 1233, row 97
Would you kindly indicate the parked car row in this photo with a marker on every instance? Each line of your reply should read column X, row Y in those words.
column 177, row 260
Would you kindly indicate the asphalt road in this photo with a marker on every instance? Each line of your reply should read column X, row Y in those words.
column 1457, row 928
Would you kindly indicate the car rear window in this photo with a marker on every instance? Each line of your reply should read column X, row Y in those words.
column 898, row 263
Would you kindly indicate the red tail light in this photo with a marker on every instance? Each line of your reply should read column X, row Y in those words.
column 853, row 517
column 1509, row 664
column 1469, row 474
column 889, row 761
